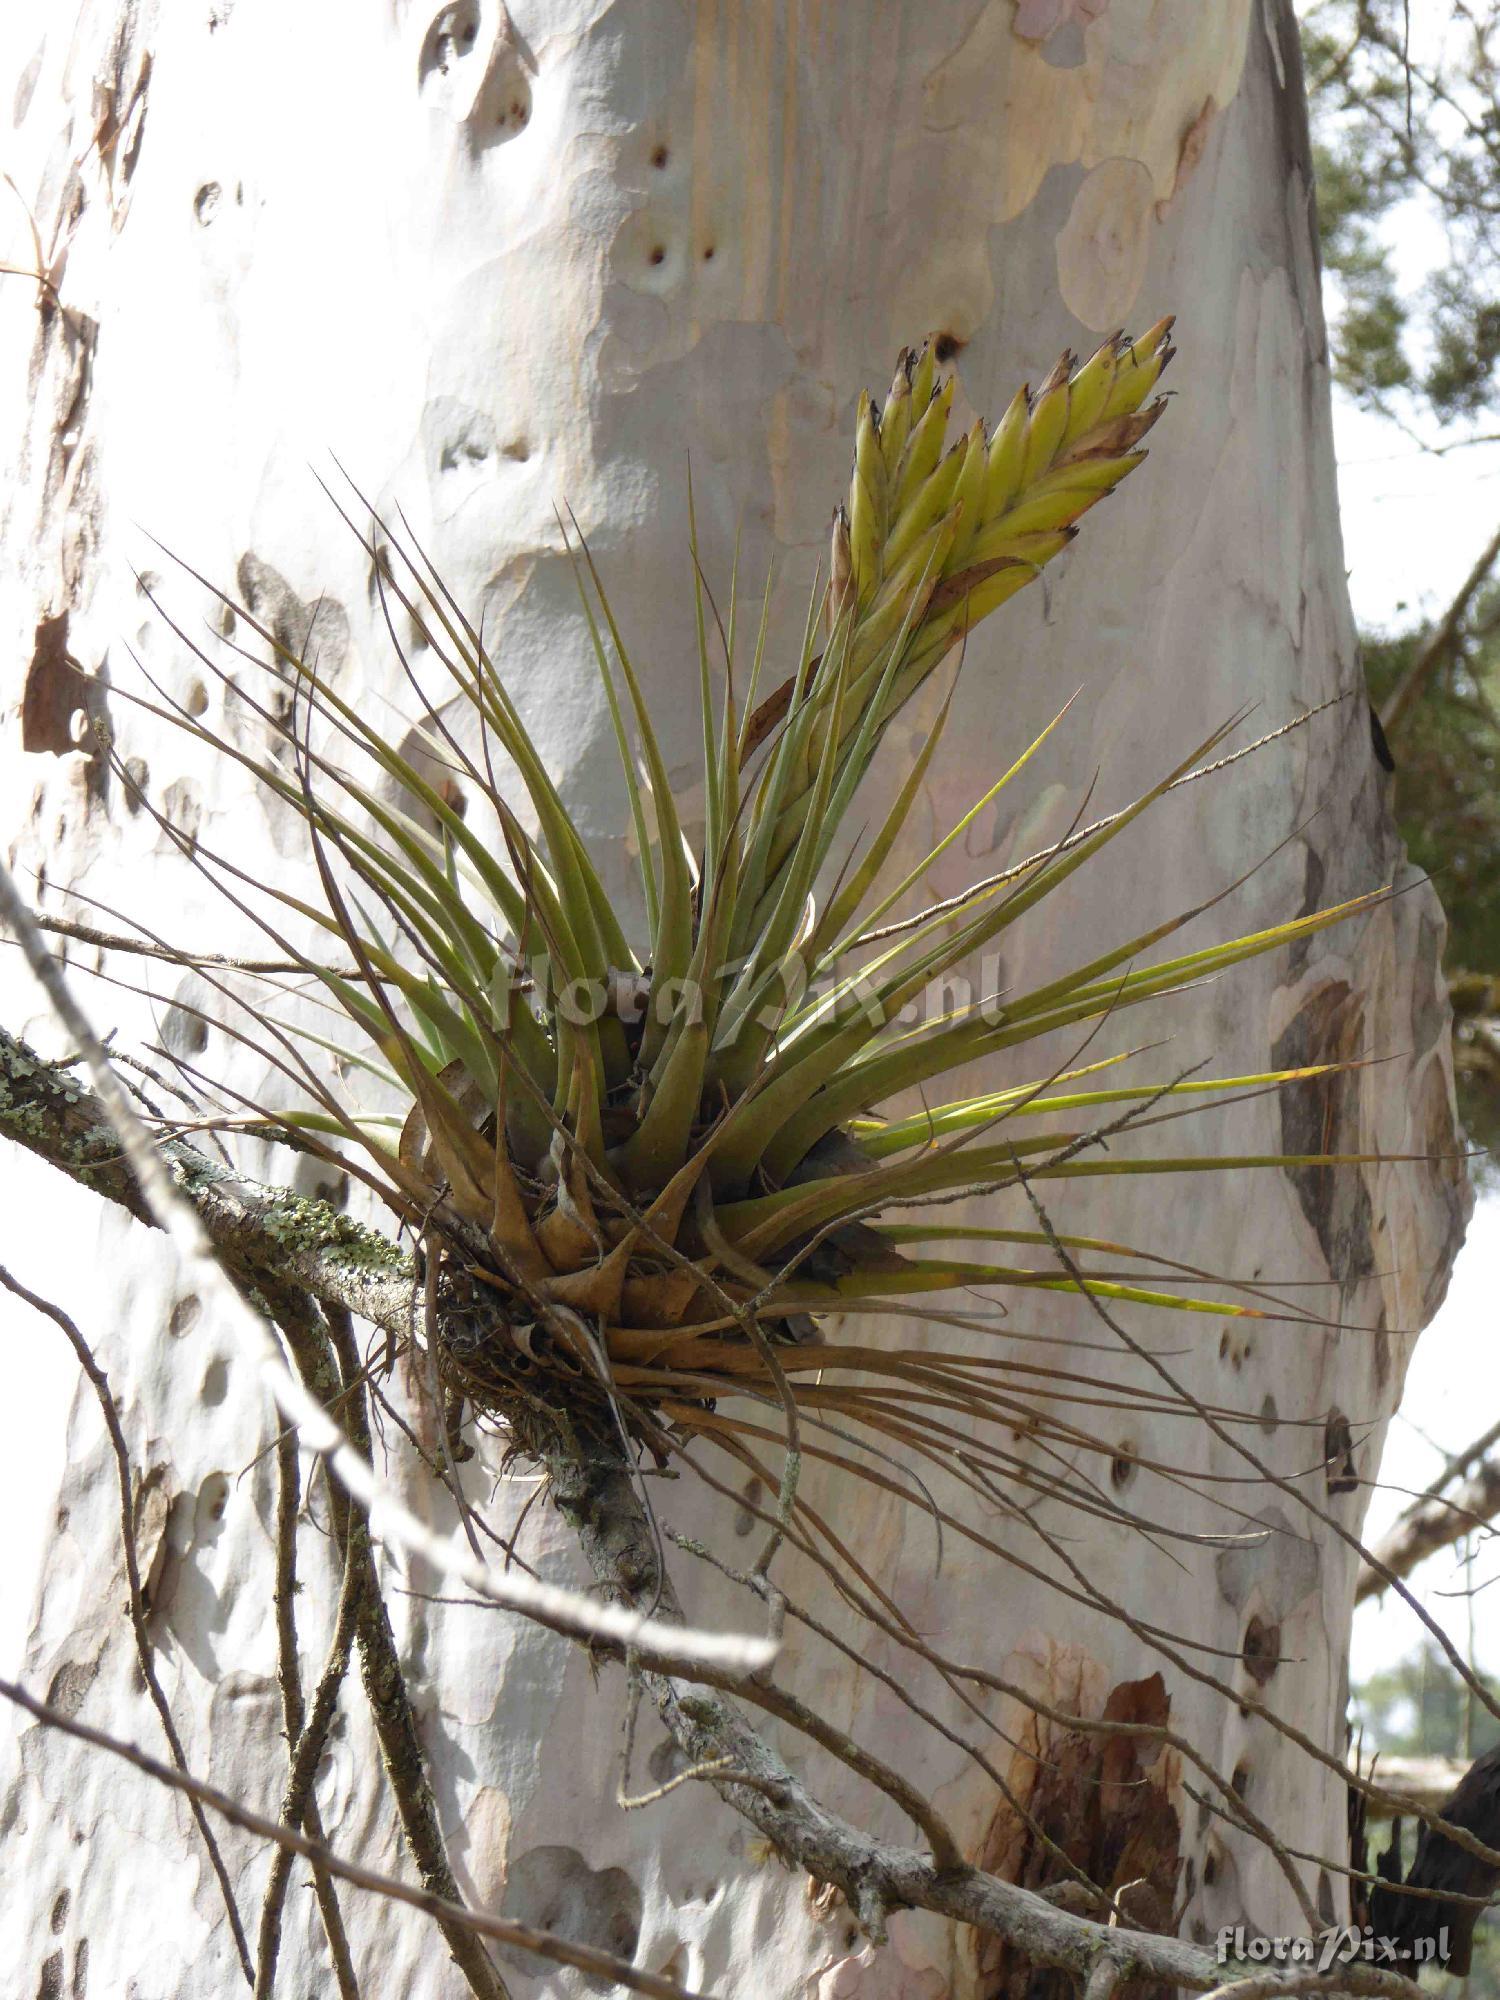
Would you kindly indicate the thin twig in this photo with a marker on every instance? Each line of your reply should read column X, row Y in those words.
column 325, row 1350
column 1286, row 1486
column 1290, row 1981
column 1439, row 647
column 99, row 1382
column 503, row 1930
column 67, row 927
column 1078, row 835
column 1436, row 1525
column 305, row 1738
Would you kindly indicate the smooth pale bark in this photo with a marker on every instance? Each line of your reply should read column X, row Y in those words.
column 546, row 262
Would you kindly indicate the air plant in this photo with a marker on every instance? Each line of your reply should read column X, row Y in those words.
column 662, row 1174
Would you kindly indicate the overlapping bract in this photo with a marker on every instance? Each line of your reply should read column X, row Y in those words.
column 939, row 541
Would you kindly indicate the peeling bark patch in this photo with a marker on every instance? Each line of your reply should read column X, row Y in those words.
column 1285, row 1568
column 206, row 202
column 1314, row 874
column 120, row 109
column 213, row 1498
column 1235, row 1349
column 26, row 86
column 62, row 708
column 455, row 53
column 450, row 38
column 420, row 750
column 1340, row 1473
column 54, row 691
column 554, row 1888
column 69, row 1686
column 1436, row 1126
column 1103, row 245
column 1108, row 1804
column 1289, row 94
column 151, row 1509
column 1037, row 20
column 1322, row 1116
column 1065, row 48
column 183, row 1029
column 514, row 113
column 317, row 631
column 744, row 1519
column 1261, row 1650
column 1189, row 153
column 462, row 444
column 185, row 1314
column 1430, row 1016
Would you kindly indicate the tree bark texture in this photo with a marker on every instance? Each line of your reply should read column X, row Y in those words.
column 498, row 261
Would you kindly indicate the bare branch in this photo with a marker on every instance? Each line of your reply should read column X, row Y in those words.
column 1429, row 1780
column 1458, row 1465
column 328, row 1361
column 875, row 1877
column 306, row 1737
column 1436, row 1524
column 1291, row 1981
column 99, row 1383
column 69, row 927
column 503, row 1930
column 1242, row 1450
column 1440, row 646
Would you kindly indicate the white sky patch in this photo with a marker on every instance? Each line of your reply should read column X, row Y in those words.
column 1414, row 522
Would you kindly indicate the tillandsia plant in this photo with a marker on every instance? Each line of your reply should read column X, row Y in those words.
column 660, row 1177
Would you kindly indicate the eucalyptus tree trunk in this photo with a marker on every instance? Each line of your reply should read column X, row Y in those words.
column 496, row 262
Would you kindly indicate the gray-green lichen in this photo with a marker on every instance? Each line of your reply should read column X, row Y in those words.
column 307, row 1226
column 47, row 1110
